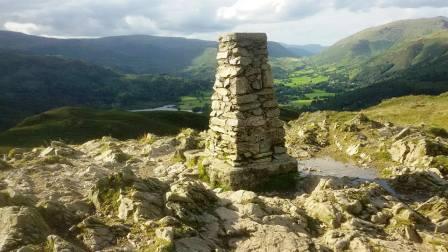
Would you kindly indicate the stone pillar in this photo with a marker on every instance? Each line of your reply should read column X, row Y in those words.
column 246, row 137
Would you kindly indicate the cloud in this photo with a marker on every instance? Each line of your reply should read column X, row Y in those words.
column 367, row 5
column 27, row 28
column 206, row 18
column 269, row 11
column 140, row 23
column 266, row 11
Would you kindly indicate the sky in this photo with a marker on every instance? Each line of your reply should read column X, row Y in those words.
column 290, row 21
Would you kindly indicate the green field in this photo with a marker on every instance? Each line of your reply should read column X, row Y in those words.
column 319, row 94
column 307, row 76
column 309, row 82
column 300, row 103
column 195, row 103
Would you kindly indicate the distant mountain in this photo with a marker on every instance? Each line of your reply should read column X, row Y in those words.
column 304, row 50
column 376, row 40
column 128, row 54
column 408, row 49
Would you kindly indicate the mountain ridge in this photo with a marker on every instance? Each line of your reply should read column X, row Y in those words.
column 128, row 53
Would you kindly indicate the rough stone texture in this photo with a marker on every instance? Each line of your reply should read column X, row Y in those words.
column 49, row 206
column 19, row 226
column 246, row 137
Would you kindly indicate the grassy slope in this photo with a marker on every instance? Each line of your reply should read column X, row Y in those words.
column 79, row 124
column 76, row 125
column 413, row 110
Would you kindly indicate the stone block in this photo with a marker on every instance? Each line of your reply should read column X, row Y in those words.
column 249, row 98
column 270, row 104
column 240, row 86
column 250, row 106
column 257, row 85
column 222, row 55
column 256, row 121
column 241, row 52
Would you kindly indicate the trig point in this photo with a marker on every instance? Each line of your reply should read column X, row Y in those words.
column 246, row 139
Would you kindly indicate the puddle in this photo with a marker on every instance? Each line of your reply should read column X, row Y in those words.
column 327, row 166
column 170, row 107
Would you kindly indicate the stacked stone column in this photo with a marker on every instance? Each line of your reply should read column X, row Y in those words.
column 246, row 138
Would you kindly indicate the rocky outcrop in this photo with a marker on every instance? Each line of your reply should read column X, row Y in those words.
column 367, row 142
column 56, row 243
column 4, row 165
column 129, row 197
column 417, row 150
column 21, row 225
column 97, row 235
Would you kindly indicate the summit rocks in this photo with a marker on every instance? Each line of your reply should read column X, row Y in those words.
column 154, row 201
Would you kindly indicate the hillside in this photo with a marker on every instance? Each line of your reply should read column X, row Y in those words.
column 424, row 59
column 34, row 84
column 77, row 125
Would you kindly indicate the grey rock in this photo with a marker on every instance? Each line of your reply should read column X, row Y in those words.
column 442, row 227
column 60, row 245
column 21, row 226
column 95, row 234
column 192, row 244
column 4, row 165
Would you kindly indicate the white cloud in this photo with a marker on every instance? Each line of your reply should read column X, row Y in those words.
column 140, row 23
column 27, row 28
column 266, row 11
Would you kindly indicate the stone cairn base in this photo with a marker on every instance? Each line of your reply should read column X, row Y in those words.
column 246, row 137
